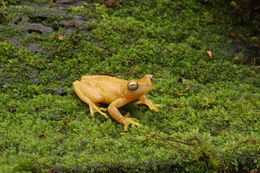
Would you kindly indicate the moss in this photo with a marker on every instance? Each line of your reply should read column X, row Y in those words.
column 208, row 121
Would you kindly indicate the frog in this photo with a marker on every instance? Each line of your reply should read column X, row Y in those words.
column 95, row 90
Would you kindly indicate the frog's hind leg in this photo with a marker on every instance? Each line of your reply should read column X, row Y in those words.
column 91, row 96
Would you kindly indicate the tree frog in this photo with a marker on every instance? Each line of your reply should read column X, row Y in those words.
column 96, row 89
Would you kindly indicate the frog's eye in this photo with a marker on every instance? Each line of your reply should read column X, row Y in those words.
column 132, row 86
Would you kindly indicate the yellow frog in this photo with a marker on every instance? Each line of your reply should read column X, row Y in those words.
column 115, row 92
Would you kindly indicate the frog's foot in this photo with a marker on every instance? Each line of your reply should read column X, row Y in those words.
column 155, row 107
column 93, row 109
column 151, row 105
column 128, row 121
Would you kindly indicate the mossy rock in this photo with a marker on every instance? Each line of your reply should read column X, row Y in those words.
column 209, row 119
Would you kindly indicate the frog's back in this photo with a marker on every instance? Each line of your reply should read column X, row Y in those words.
column 102, row 79
column 111, row 87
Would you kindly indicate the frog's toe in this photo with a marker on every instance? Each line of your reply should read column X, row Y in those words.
column 155, row 108
column 94, row 109
column 104, row 114
column 132, row 121
column 103, row 109
column 138, row 102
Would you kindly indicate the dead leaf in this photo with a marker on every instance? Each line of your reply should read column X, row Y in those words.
column 233, row 34
column 209, row 53
column 13, row 109
column 111, row 3
column 60, row 37
column 177, row 105
column 41, row 135
column 73, row 40
column 253, row 171
column 66, row 122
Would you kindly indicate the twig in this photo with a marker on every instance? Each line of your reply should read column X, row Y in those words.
column 167, row 140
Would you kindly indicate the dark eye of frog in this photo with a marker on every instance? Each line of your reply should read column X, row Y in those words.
column 132, row 86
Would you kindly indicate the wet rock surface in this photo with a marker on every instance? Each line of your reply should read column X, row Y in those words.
column 37, row 28
column 76, row 21
column 55, row 91
column 69, row 2
column 43, row 19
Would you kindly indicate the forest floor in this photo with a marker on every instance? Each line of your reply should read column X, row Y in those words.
column 205, row 80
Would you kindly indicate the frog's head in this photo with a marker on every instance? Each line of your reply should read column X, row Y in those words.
column 141, row 86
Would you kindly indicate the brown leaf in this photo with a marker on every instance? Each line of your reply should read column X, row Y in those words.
column 253, row 171
column 233, row 34
column 73, row 40
column 209, row 53
column 13, row 110
column 60, row 37
column 66, row 122
column 176, row 105
column 41, row 135
column 111, row 3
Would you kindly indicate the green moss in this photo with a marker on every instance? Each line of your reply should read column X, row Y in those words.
column 208, row 121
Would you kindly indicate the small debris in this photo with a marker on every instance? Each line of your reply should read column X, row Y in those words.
column 66, row 122
column 226, row 108
column 209, row 53
column 36, row 109
column 60, row 37
column 73, row 40
column 233, row 34
column 176, row 105
column 41, row 135
column 180, row 80
column 111, row 3
column 13, row 110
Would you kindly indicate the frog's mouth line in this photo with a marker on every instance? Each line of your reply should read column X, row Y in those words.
column 151, row 85
column 141, row 83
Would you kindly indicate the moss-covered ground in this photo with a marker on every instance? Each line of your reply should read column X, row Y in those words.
column 209, row 119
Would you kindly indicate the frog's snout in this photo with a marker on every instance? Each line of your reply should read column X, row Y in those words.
column 150, row 77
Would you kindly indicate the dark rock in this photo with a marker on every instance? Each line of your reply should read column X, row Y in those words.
column 75, row 22
column 34, row 47
column 55, row 91
column 32, row 28
column 39, row 16
column 38, row 28
column 65, row 1
column 16, row 41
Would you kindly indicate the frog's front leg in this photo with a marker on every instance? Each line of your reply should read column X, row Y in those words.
column 116, row 115
column 144, row 100
column 91, row 96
